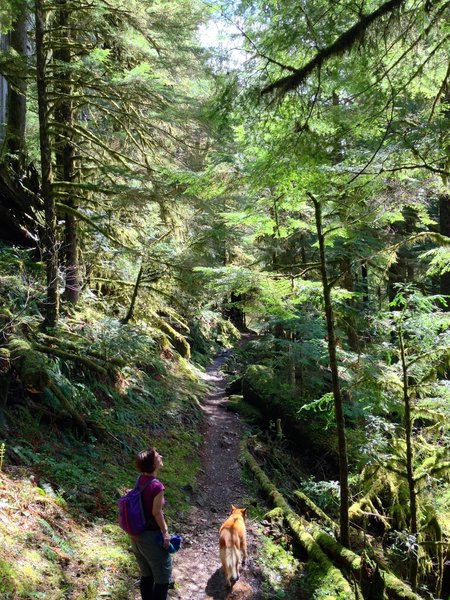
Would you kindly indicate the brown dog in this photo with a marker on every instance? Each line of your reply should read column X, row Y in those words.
column 233, row 544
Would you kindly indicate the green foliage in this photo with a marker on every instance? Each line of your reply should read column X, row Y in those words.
column 279, row 567
column 192, row 180
column 322, row 405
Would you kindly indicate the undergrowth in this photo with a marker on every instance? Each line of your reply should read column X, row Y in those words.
column 69, row 447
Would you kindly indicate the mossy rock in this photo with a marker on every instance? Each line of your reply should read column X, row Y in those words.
column 234, row 387
column 227, row 333
column 31, row 365
column 251, row 414
column 5, row 362
column 257, row 385
column 259, row 376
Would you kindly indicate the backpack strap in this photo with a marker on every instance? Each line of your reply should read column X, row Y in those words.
column 141, row 489
column 148, row 518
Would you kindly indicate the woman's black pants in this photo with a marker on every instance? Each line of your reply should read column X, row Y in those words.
column 153, row 591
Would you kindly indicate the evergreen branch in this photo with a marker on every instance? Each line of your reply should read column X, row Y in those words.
column 79, row 215
column 441, row 91
column 259, row 53
column 420, row 68
column 412, row 167
column 344, row 43
column 88, row 135
column 377, row 149
column 416, row 359
column 90, row 187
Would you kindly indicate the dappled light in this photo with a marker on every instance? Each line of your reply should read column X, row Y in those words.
column 224, row 300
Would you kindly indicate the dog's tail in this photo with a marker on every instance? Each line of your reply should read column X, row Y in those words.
column 230, row 556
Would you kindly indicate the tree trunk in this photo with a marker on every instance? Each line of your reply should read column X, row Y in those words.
column 64, row 149
column 349, row 323
column 409, row 464
column 338, row 403
column 365, row 284
column 236, row 313
column 130, row 312
column 402, row 270
column 50, row 241
column 16, row 106
column 444, row 228
column 19, row 184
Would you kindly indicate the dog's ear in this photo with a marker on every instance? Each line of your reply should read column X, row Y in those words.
column 244, row 512
column 233, row 508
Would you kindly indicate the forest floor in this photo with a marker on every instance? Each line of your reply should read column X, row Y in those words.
column 197, row 570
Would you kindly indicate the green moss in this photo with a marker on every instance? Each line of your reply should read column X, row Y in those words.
column 281, row 570
column 318, row 586
column 249, row 412
column 31, row 365
column 7, row 579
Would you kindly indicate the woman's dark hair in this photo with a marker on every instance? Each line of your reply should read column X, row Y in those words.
column 145, row 460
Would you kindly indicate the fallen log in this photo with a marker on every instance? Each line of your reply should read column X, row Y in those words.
column 31, row 366
column 326, row 544
column 329, row 572
column 90, row 363
column 68, row 346
column 307, row 506
column 395, row 588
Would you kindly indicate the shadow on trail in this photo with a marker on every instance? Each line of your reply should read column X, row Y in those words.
column 216, row 586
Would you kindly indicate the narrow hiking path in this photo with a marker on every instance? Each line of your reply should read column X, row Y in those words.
column 197, row 569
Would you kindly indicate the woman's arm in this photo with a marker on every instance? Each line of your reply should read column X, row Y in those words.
column 157, row 512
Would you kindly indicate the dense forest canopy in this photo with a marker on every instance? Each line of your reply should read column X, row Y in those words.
column 173, row 172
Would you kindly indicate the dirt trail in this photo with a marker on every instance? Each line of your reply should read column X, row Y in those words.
column 197, row 571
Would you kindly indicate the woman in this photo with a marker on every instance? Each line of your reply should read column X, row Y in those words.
column 153, row 559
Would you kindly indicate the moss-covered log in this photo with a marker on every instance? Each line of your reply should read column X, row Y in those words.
column 331, row 574
column 178, row 341
column 67, row 345
column 394, row 586
column 316, row 542
column 307, row 508
column 84, row 360
column 30, row 364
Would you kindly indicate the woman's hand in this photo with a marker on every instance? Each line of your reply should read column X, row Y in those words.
column 166, row 541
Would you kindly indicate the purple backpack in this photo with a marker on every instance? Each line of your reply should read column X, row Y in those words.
column 131, row 510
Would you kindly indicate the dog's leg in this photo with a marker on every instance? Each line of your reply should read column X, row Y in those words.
column 244, row 549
